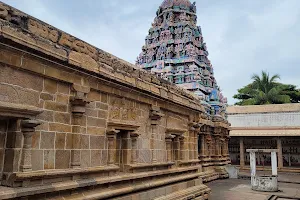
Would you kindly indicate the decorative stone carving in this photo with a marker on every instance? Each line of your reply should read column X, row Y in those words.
column 155, row 113
column 28, row 128
column 122, row 109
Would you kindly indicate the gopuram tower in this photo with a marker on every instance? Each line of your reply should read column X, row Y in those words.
column 175, row 51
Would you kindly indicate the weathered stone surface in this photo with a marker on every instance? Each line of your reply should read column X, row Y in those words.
column 83, row 60
column 60, row 127
column 64, row 118
column 47, row 140
column 49, row 105
column 85, row 142
column 49, row 156
column 73, row 141
column 37, row 162
column 97, row 142
column 86, row 158
column 60, row 140
column 62, row 159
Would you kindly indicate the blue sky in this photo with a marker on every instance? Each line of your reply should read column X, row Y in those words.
column 243, row 37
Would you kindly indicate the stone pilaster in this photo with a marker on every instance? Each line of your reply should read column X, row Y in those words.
column 28, row 129
column 203, row 145
column 78, row 103
column 176, row 144
column 111, row 136
column 168, row 140
column 155, row 116
column 182, row 150
column 134, row 152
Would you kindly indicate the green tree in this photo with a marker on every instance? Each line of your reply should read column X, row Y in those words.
column 266, row 90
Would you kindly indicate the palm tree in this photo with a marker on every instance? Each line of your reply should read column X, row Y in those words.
column 266, row 90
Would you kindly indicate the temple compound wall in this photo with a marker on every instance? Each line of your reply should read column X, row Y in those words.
column 266, row 127
column 79, row 123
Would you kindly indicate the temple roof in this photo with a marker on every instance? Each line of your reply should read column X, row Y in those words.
column 294, row 107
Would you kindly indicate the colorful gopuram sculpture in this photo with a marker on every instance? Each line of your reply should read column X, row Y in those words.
column 175, row 51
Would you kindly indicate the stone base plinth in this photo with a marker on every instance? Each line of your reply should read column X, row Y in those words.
column 264, row 183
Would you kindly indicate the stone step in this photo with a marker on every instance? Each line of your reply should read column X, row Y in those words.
column 200, row 192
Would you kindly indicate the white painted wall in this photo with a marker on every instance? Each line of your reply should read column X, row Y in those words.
column 265, row 119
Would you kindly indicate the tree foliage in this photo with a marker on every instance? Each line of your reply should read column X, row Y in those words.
column 266, row 90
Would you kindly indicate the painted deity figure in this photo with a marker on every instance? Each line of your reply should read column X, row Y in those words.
column 155, row 37
column 170, row 50
column 161, row 52
column 171, row 17
column 150, row 55
column 179, row 50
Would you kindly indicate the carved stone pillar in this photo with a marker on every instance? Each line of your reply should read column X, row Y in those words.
column 169, row 147
column 223, row 152
column 155, row 116
column 134, row 137
column 203, row 145
column 177, row 148
column 182, row 151
column 111, row 136
column 78, row 103
column 28, row 129
column 217, row 146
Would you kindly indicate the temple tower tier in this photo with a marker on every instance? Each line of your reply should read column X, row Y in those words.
column 175, row 51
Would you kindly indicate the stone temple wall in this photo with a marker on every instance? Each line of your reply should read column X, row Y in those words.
column 79, row 123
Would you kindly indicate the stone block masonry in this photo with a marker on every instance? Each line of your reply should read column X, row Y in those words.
column 79, row 123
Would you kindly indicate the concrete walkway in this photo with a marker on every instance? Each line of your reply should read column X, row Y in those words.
column 238, row 189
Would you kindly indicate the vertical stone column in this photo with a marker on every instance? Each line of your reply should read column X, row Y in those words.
column 252, row 166
column 155, row 116
column 196, row 145
column 134, row 137
column 182, row 151
column 274, row 163
column 111, row 136
column 78, row 103
column 168, row 140
column 153, row 142
column 28, row 129
column 177, row 148
column 223, row 147
column 279, row 148
column 242, row 151
column 203, row 145
column 217, row 139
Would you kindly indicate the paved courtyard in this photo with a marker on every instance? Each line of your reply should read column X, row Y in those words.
column 238, row 189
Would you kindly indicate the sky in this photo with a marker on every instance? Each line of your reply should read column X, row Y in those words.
column 243, row 37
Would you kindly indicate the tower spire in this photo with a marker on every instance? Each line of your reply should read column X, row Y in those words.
column 175, row 50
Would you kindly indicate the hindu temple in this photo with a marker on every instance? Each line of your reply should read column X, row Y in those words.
column 77, row 122
column 175, row 51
